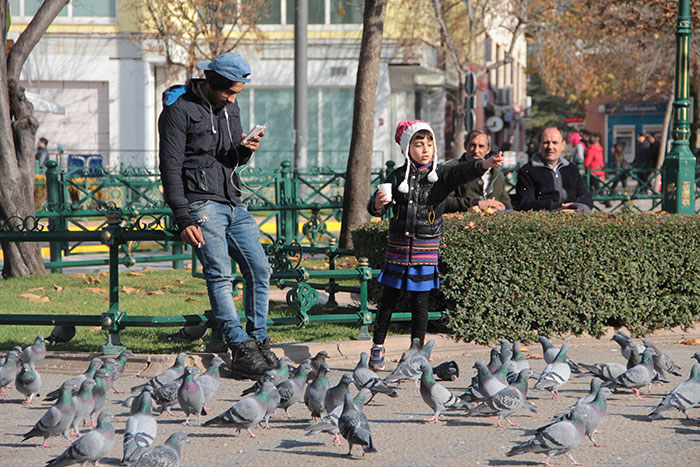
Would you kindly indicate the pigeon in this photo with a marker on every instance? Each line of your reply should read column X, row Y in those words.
column 556, row 374
column 34, row 353
column 605, row 371
column 435, row 395
column 507, row 401
column 56, row 420
column 315, row 393
column 592, row 392
column 447, row 371
column 696, row 356
column 495, row 361
column 636, row 377
column 190, row 396
column 354, row 427
column 61, row 333
column 209, row 381
column 316, row 362
column 141, row 429
column 76, row 381
column 18, row 350
column 663, row 364
column 684, row 397
column 84, row 404
column 291, row 390
column 189, row 333
column 550, row 353
column 329, row 423
column 8, row 370
column 521, row 362
column 280, row 373
column 554, row 440
column 91, row 447
column 505, row 351
column 110, row 367
column 171, row 374
column 335, row 396
column 415, row 347
column 165, row 455
column 626, row 343
column 166, row 395
column 484, row 384
column 590, row 413
column 134, row 402
column 246, row 412
column 272, row 403
column 121, row 363
column 99, row 392
column 363, row 377
column 28, row 382
column 411, row 367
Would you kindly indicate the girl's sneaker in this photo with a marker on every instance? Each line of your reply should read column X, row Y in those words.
column 376, row 357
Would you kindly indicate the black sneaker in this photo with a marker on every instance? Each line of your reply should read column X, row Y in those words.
column 246, row 360
column 269, row 356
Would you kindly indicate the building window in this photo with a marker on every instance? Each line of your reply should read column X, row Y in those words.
column 75, row 9
column 323, row 12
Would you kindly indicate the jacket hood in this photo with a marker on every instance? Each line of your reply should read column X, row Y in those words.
column 537, row 161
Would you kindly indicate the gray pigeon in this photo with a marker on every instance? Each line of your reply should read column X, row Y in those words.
column 272, row 403
column 291, row 390
column 76, row 381
column 625, row 342
column 99, row 393
column 696, row 356
column 278, row 374
column 314, row 397
column 637, row 377
column 209, row 381
column 134, row 402
column 141, row 429
column 484, row 384
column 521, row 363
column 495, row 361
column 663, row 364
column 316, row 362
column 556, row 374
column 411, row 367
column 165, row 377
column 549, row 352
column 165, row 455
column 554, row 440
column 18, row 350
column 56, row 420
column 684, row 397
column 590, row 413
column 605, row 371
column 34, row 353
column 121, row 363
column 329, row 423
column 507, row 401
column 366, row 378
column 84, row 404
column 190, row 396
column 91, row 447
column 335, row 396
column 246, row 412
column 435, row 395
column 28, row 382
column 61, row 333
column 166, row 396
column 505, row 351
column 189, row 333
column 354, row 427
column 8, row 370
column 415, row 347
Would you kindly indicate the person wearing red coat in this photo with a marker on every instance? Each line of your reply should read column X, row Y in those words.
column 595, row 163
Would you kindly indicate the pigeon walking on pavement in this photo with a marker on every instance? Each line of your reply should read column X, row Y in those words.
column 636, row 377
column 141, row 430
column 663, row 364
column 165, row 455
column 436, row 396
column 550, row 352
column 590, row 413
column 99, row 393
column 34, row 353
column 76, row 381
column 292, row 390
column 247, row 412
column 335, row 396
column 190, row 396
column 626, row 343
column 273, row 402
column 507, row 401
column 165, row 377
column 484, row 384
column 315, row 395
column 166, row 396
column 28, row 382
column 56, row 420
column 84, row 404
column 556, row 374
column 605, row 371
column 61, row 333
column 278, row 374
column 411, row 367
column 8, row 370
column 329, row 423
column 414, row 347
column 316, row 362
column 121, row 363
column 209, row 381
column 354, row 427
column 684, row 397
column 556, row 439
column 91, row 447
column 363, row 377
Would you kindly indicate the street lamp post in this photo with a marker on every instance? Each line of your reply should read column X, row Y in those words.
column 678, row 173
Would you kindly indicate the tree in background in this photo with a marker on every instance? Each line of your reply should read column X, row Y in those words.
column 187, row 31
column 547, row 109
column 18, row 128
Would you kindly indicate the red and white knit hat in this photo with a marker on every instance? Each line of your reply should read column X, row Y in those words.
column 404, row 132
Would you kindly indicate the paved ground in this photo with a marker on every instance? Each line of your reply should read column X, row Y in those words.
column 400, row 434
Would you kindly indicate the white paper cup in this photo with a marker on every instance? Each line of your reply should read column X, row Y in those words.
column 385, row 188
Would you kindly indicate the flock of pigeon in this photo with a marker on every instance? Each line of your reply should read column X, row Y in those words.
column 499, row 389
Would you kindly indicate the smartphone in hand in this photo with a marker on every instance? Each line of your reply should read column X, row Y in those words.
column 254, row 132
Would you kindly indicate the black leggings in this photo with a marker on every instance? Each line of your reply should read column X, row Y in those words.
column 419, row 314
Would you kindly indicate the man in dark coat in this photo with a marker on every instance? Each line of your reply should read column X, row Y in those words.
column 487, row 191
column 549, row 182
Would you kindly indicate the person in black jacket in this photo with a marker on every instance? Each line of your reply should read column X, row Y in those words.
column 201, row 144
column 549, row 182
column 418, row 192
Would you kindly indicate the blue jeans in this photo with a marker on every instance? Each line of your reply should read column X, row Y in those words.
column 231, row 232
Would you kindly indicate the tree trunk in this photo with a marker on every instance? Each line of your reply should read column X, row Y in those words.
column 359, row 168
column 17, row 137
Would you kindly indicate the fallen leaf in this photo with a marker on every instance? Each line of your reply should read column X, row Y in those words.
column 690, row 341
column 59, row 288
column 533, row 356
column 190, row 299
column 36, row 289
column 79, row 275
column 95, row 329
column 148, row 270
column 136, row 273
column 182, row 295
column 156, row 292
column 35, row 298
column 97, row 290
column 180, row 281
column 92, row 280
column 104, row 274
column 130, row 290
column 168, row 287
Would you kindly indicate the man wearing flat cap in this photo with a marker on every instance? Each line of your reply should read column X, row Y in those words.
column 201, row 144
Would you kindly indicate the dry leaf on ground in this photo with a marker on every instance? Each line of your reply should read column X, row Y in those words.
column 180, row 281
column 35, row 298
column 136, row 273
column 59, row 288
column 156, row 292
column 689, row 341
column 130, row 290
column 190, row 299
column 79, row 276
column 36, row 289
column 104, row 274
column 92, row 280
column 97, row 290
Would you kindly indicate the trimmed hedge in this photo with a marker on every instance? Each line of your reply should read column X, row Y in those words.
column 517, row 275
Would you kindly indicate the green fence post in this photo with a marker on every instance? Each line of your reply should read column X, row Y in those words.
column 111, row 235
column 286, row 197
column 53, row 197
column 177, row 249
column 365, row 315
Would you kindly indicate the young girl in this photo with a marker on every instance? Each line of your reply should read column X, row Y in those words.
column 419, row 189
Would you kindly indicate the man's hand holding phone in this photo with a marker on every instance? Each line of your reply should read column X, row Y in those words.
column 252, row 139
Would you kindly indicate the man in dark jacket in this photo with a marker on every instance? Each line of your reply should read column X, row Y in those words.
column 549, row 182
column 487, row 191
column 201, row 144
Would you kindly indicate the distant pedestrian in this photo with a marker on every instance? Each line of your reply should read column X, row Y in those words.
column 579, row 150
column 619, row 162
column 642, row 157
column 42, row 151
